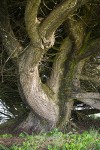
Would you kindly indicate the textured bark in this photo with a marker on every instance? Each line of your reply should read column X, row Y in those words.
column 40, row 100
column 91, row 102
column 58, row 16
column 65, row 121
column 32, row 22
column 91, row 99
column 77, row 33
column 77, row 76
column 87, row 95
column 51, row 104
column 70, row 79
column 57, row 70
column 34, row 123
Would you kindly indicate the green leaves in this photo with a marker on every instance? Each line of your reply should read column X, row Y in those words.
column 56, row 140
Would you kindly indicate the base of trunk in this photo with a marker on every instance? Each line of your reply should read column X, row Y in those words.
column 66, row 122
column 35, row 124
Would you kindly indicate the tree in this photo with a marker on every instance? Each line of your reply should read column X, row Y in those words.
column 51, row 103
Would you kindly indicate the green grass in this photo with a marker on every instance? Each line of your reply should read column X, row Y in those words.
column 56, row 140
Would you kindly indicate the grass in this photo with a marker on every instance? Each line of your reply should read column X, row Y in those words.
column 56, row 140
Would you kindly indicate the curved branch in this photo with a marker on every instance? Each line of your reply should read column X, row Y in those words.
column 77, row 75
column 76, row 33
column 10, row 42
column 73, row 67
column 92, row 99
column 39, row 98
column 31, row 21
column 57, row 69
column 58, row 16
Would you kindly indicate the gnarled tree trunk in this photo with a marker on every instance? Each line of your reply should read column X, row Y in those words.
column 50, row 103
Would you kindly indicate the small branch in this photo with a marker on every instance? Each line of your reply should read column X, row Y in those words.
column 87, row 95
column 58, row 16
column 10, row 42
column 77, row 32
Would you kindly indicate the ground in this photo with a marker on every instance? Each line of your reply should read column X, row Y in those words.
column 82, row 125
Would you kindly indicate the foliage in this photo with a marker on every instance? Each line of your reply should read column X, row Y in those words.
column 5, row 135
column 56, row 140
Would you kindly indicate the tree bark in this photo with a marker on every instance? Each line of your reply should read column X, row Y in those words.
column 51, row 104
column 91, row 99
column 43, row 100
column 58, row 16
column 40, row 99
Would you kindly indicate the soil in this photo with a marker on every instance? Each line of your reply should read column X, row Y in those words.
column 11, row 141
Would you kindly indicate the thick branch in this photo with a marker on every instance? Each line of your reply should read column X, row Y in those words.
column 91, row 99
column 32, row 22
column 57, row 69
column 72, row 67
column 38, row 97
column 58, row 16
column 77, row 32
column 10, row 42
column 77, row 74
